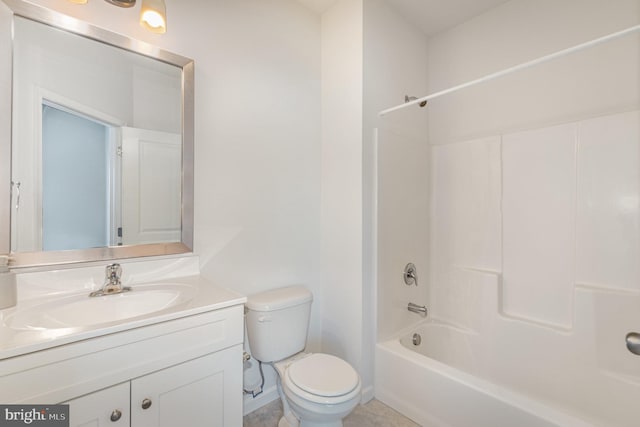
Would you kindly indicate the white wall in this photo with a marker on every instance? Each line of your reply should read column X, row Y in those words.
column 395, row 66
column 341, row 210
column 257, row 136
column 257, row 217
column 370, row 59
column 527, row 174
column 556, row 92
column 363, row 70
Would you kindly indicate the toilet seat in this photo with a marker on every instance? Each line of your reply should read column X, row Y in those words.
column 322, row 378
column 323, row 375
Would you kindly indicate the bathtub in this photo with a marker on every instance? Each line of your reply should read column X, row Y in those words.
column 414, row 380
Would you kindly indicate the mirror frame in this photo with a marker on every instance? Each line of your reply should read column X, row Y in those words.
column 58, row 20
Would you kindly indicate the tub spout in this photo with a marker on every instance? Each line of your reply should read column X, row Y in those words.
column 415, row 308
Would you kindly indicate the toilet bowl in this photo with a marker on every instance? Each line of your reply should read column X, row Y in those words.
column 317, row 389
column 320, row 389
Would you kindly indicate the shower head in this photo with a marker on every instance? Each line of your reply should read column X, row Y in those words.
column 408, row 98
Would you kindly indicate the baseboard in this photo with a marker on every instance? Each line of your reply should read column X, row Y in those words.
column 367, row 394
column 250, row 404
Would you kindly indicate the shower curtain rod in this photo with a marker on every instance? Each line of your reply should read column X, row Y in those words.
column 513, row 69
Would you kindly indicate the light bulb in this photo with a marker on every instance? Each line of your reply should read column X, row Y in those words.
column 153, row 16
column 153, row 19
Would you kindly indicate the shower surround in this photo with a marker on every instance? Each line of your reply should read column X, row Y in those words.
column 525, row 227
column 530, row 186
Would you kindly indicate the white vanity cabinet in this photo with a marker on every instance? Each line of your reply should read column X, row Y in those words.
column 108, row 407
column 182, row 372
column 193, row 394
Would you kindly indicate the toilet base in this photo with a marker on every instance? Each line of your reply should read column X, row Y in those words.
column 288, row 419
column 285, row 423
column 299, row 412
column 310, row 418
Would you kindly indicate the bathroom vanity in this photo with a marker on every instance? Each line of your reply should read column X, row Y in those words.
column 178, row 365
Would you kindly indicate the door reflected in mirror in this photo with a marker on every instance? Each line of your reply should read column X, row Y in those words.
column 77, row 172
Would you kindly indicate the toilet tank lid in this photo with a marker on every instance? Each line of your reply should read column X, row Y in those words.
column 277, row 299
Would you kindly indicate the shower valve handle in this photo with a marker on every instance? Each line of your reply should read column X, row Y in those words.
column 410, row 275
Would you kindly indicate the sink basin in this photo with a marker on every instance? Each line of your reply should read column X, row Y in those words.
column 80, row 310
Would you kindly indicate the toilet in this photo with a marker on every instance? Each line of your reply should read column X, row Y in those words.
column 317, row 389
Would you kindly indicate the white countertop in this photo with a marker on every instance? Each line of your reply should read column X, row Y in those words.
column 16, row 342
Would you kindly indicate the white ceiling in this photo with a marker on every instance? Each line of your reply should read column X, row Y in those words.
column 318, row 5
column 432, row 16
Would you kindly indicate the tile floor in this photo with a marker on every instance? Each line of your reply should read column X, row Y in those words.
column 372, row 414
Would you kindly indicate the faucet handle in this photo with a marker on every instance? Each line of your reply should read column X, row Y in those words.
column 112, row 284
column 113, row 271
column 410, row 275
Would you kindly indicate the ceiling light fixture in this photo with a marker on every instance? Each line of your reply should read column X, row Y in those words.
column 122, row 3
column 153, row 13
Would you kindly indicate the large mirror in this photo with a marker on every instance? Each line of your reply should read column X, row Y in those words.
column 99, row 143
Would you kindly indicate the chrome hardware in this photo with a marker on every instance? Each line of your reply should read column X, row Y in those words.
column 146, row 403
column 122, row 3
column 408, row 98
column 415, row 308
column 410, row 275
column 246, row 356
column 113, row 284
column 633, row 342
column 113, row 272
column 416, row 339
column 116, row 415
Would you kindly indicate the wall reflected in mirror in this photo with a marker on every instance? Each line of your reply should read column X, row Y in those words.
column 97, row 144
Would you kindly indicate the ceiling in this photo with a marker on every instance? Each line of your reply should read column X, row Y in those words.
column 318, row 5
column 431, row 16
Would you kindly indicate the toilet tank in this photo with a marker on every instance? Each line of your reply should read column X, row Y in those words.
column 277, row 322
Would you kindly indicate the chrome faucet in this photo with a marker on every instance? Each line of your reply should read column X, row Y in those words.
column 112, row 284
column 415, row 308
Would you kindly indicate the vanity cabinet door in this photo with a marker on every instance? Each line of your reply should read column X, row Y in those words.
column 104, row 408
column 204, row 392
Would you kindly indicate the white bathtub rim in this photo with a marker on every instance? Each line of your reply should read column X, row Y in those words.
column 428, row 321
column 502, row 394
